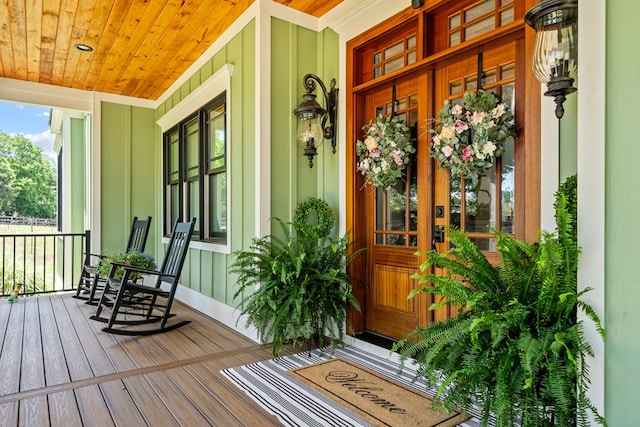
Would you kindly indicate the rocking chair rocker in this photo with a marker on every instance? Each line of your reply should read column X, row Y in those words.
column 90, row 281
column 132, row 303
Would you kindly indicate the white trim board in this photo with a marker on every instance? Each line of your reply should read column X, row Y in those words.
column 223, row 313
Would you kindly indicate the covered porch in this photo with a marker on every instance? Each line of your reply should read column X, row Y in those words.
column 59, row 368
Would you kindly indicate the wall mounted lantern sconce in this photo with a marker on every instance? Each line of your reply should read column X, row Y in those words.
column 555, row 55
column 312, row 118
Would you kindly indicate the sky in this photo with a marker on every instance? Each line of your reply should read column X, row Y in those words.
column 30, row 121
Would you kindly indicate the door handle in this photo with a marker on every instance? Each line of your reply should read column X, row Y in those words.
column 438, row 235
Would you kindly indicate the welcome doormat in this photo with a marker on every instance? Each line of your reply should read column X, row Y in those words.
column 375, row 397
column 296, row 404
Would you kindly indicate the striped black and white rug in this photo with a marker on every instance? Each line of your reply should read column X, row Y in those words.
column 298, row 405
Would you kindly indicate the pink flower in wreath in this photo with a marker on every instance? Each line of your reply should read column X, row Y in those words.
column 456, row 110
column 460, row 126
column 374, row 152
column 476, row 118
column 447, row 150
column 467, row 153
column 397, row 158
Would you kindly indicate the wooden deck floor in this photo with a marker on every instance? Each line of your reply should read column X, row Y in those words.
column 58, row 368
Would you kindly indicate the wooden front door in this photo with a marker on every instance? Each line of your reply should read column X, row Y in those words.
column 409, row 66
column 401, row 220
column 393, row 227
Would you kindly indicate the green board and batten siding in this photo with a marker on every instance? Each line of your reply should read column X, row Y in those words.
column 622, row 204
column 291, row 178
column 129, row 159
column 295, row 52
column 206, row 271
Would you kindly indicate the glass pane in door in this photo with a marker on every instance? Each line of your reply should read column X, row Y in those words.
column 396, row 214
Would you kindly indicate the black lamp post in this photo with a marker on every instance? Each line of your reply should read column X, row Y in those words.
column 555, row 55
column 312, row 118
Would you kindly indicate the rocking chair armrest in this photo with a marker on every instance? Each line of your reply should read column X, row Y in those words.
column 94, row 255
column 88, row 255
column 138, row 269
column 136, row 287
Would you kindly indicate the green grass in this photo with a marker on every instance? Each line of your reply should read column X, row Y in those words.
column 28, row 260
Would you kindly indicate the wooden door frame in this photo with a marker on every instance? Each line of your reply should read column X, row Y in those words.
column 527, row 103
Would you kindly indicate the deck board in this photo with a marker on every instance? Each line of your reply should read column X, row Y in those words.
column 92, row 408
column 11, row 354
column 56, row 372
column 32, row 372
column 60, row 369
column 63, row 410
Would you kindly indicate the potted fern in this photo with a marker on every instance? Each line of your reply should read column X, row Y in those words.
column 293, row 286
column 516, row 349
column 133, row 258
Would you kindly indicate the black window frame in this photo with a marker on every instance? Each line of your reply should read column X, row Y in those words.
column 179, row 188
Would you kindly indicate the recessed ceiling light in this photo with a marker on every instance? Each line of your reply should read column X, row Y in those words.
column 83, row 47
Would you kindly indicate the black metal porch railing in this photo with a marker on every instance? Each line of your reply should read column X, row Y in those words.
column 42, row 263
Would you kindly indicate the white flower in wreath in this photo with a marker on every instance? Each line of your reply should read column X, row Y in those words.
column 489, row 148
column 371, row 143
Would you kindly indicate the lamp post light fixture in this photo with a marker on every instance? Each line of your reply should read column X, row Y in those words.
column 312, row 118
column 555, row 54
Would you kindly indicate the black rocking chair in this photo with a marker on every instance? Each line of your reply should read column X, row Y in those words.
column 90, row 281
column 131, row 303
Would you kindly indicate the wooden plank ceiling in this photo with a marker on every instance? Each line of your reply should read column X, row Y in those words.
column 140, row 47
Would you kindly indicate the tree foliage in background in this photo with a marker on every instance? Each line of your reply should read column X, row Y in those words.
column 27, row 179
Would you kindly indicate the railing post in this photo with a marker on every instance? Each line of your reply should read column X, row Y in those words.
column 87, row 246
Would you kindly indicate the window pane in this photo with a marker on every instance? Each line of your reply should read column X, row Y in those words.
column 377, row 72
column 489, row 77
column 508, row 71
column 174, row 159
column 455, row 87
column 396, row 207
column 192, row 129
column 379, row 209
column 454, row 39
column 507, row 203
column 508, row 95
column 395, row 239
column 394, row 50
column 218, row 204
column 194, row 203
column 411, row 57
column 454, row 21
column 485, row 244
column 456, row 201
column 471, row 82
column 401, row 104
column 480, row 203
column 479, row 28
column 479, row 10
column 377, row 57
column 411, row 42
column 506, row 16
column 413, row 202
column 394, row 65
column 217, row 143
column 389, row 106
column 175, row 206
